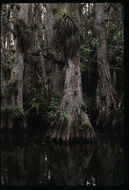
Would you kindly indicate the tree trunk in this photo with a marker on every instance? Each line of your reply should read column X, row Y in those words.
column 105, row 100
column 73, row 122
column 39, row 32
column 49, row 25
column 4, row 37
column 55, row 75
column 5, row 60
column 16, row 99
column 29, row 66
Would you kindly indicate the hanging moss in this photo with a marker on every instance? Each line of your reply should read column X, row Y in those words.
column 24, row 34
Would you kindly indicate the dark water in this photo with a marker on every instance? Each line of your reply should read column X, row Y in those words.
column 35, row 162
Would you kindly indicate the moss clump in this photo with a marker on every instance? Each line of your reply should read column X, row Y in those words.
column 3, row 89
column 7, row 71
column 84, row 107
column 24, row 34
column 84, row 125
column 12, row 86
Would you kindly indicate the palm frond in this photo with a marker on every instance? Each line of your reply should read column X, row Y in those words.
column 67, row 31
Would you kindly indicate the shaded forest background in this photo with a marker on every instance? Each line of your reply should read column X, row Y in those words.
column 44, row 45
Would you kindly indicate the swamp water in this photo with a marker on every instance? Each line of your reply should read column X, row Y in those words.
column 34, row 162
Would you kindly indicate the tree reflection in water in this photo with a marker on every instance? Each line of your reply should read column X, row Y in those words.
column 100, row 163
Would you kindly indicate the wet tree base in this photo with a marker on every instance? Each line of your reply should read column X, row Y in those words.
column 113, row 127
column 75, row 126
column 53, row 134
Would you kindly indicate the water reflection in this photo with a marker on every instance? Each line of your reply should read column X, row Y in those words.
column 100, row 163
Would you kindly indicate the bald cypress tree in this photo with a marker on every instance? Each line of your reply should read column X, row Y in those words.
column 73, row 121
column 105, row 99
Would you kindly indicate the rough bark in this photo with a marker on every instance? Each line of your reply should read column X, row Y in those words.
column 5, row 35
column 29, row 69
column 16, row 99
column 49, row 25
column 55, row 74
column 2, row 44
column 105, row 100
column 3, row 59
column 73, row 122
column 38, row 45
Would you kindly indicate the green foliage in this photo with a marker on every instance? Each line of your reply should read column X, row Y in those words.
column 85, row 51
column 67, row 38
column 67, row 32
column 115, row 50
column 53, row 108
column 44, row 104
column 84, row 125
column 115, row 43
column 94, row 42
column 54, row 103
column 37, row 102
column 65, row 20
column 64, row 116
column 33, row 105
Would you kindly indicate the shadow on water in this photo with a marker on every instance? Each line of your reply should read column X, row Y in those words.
column 32, row 163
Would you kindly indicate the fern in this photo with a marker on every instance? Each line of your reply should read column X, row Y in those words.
column 64, row 116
